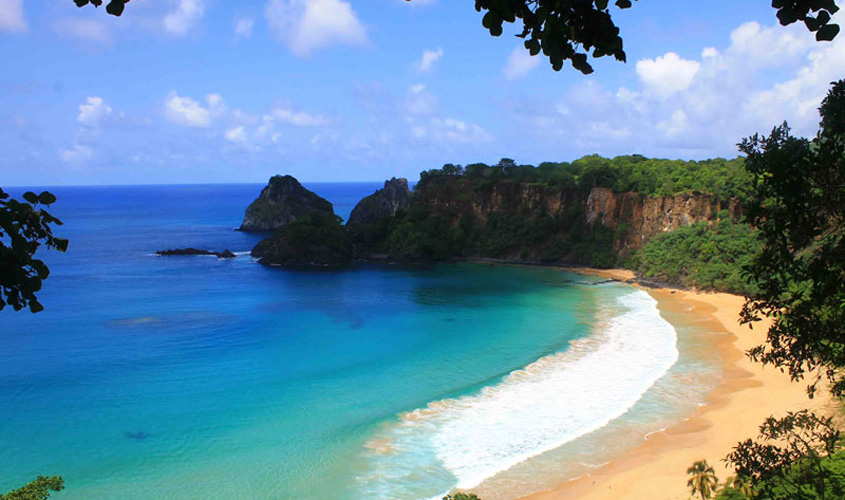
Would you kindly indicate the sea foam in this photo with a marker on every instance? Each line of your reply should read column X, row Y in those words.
column 539, row 408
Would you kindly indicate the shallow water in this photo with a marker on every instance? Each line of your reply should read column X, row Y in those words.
column 192, row 377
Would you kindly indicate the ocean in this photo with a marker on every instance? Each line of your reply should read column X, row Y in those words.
column 181, row 378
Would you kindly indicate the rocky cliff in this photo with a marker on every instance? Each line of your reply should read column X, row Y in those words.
column 469, row 218
column 636, row 218
column 281, row 202
column 383, row 204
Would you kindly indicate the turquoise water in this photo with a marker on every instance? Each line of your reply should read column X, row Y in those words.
column 185, row 378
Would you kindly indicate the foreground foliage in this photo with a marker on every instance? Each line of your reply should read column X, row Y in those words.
column 792, row 459
column 37, row 490
column 799, row 208
column 24, row 227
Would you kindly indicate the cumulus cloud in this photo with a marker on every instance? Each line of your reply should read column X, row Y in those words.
column 307, row 26
column 187, row 112
column 668, row 74
column 184, row 16
column 11, row 16
column 429, row 57
column 93, row 112
column 699, row 107
column 520, row 63
column 243, row 27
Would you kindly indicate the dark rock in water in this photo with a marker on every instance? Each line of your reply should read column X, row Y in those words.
column 225, row 254
column 281, row 202
column 315, row 240
column 383, row 204
column 136, row 436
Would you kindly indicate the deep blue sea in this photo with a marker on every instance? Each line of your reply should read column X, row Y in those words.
column 181, row 378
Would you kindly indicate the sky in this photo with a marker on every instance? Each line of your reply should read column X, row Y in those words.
column 216, row 91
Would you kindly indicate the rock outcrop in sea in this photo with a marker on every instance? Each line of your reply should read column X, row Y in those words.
column 281, row 202
column 225, row 254
column 383, row 204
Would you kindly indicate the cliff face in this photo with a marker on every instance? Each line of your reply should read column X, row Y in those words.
column 281, row 202
column 626, row 220
column 639, row 218
column 511, row 198
column 383, row 204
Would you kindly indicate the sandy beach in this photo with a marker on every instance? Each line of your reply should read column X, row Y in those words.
column 749, row 392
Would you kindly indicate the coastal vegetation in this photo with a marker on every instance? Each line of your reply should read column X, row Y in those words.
column 704, row 256
column 315, row 239
column 702, row 481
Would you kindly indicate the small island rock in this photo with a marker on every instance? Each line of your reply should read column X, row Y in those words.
column 281, row 202
column 383, row 204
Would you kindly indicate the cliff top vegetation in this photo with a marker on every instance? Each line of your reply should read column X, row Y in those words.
column 647, row 176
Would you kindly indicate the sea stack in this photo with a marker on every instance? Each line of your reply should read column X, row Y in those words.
column 383, row 204
column 281, row 202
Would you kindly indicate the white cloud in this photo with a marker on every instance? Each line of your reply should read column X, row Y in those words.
column 307, row 26
column 87, row 30
column 675, row 125
column 668, row 74
column 243, row 27
column 429, row 57
column 772, row 46
column 183, row 17
column 286, row 114
column 237, row 134
column 187, row 112
column 93, row 112
column 799, row 97
column 457, row 131
column 11, row 16
column 77, row 154
column 520, row 64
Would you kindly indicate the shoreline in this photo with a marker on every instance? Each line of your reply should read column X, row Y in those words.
column 747, row 394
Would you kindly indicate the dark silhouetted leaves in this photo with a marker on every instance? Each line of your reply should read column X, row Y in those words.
column 24, row 227
column 799, row 208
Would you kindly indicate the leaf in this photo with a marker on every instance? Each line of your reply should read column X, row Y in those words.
column 81, row 3
column 827, row 33
column 624, row 4
column 30, row 197
column 601, row 4
column 35, row 306
column 115, row 7
column 46, row 198
column 786, row 17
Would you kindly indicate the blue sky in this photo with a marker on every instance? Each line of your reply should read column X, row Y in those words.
column 206, row 91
